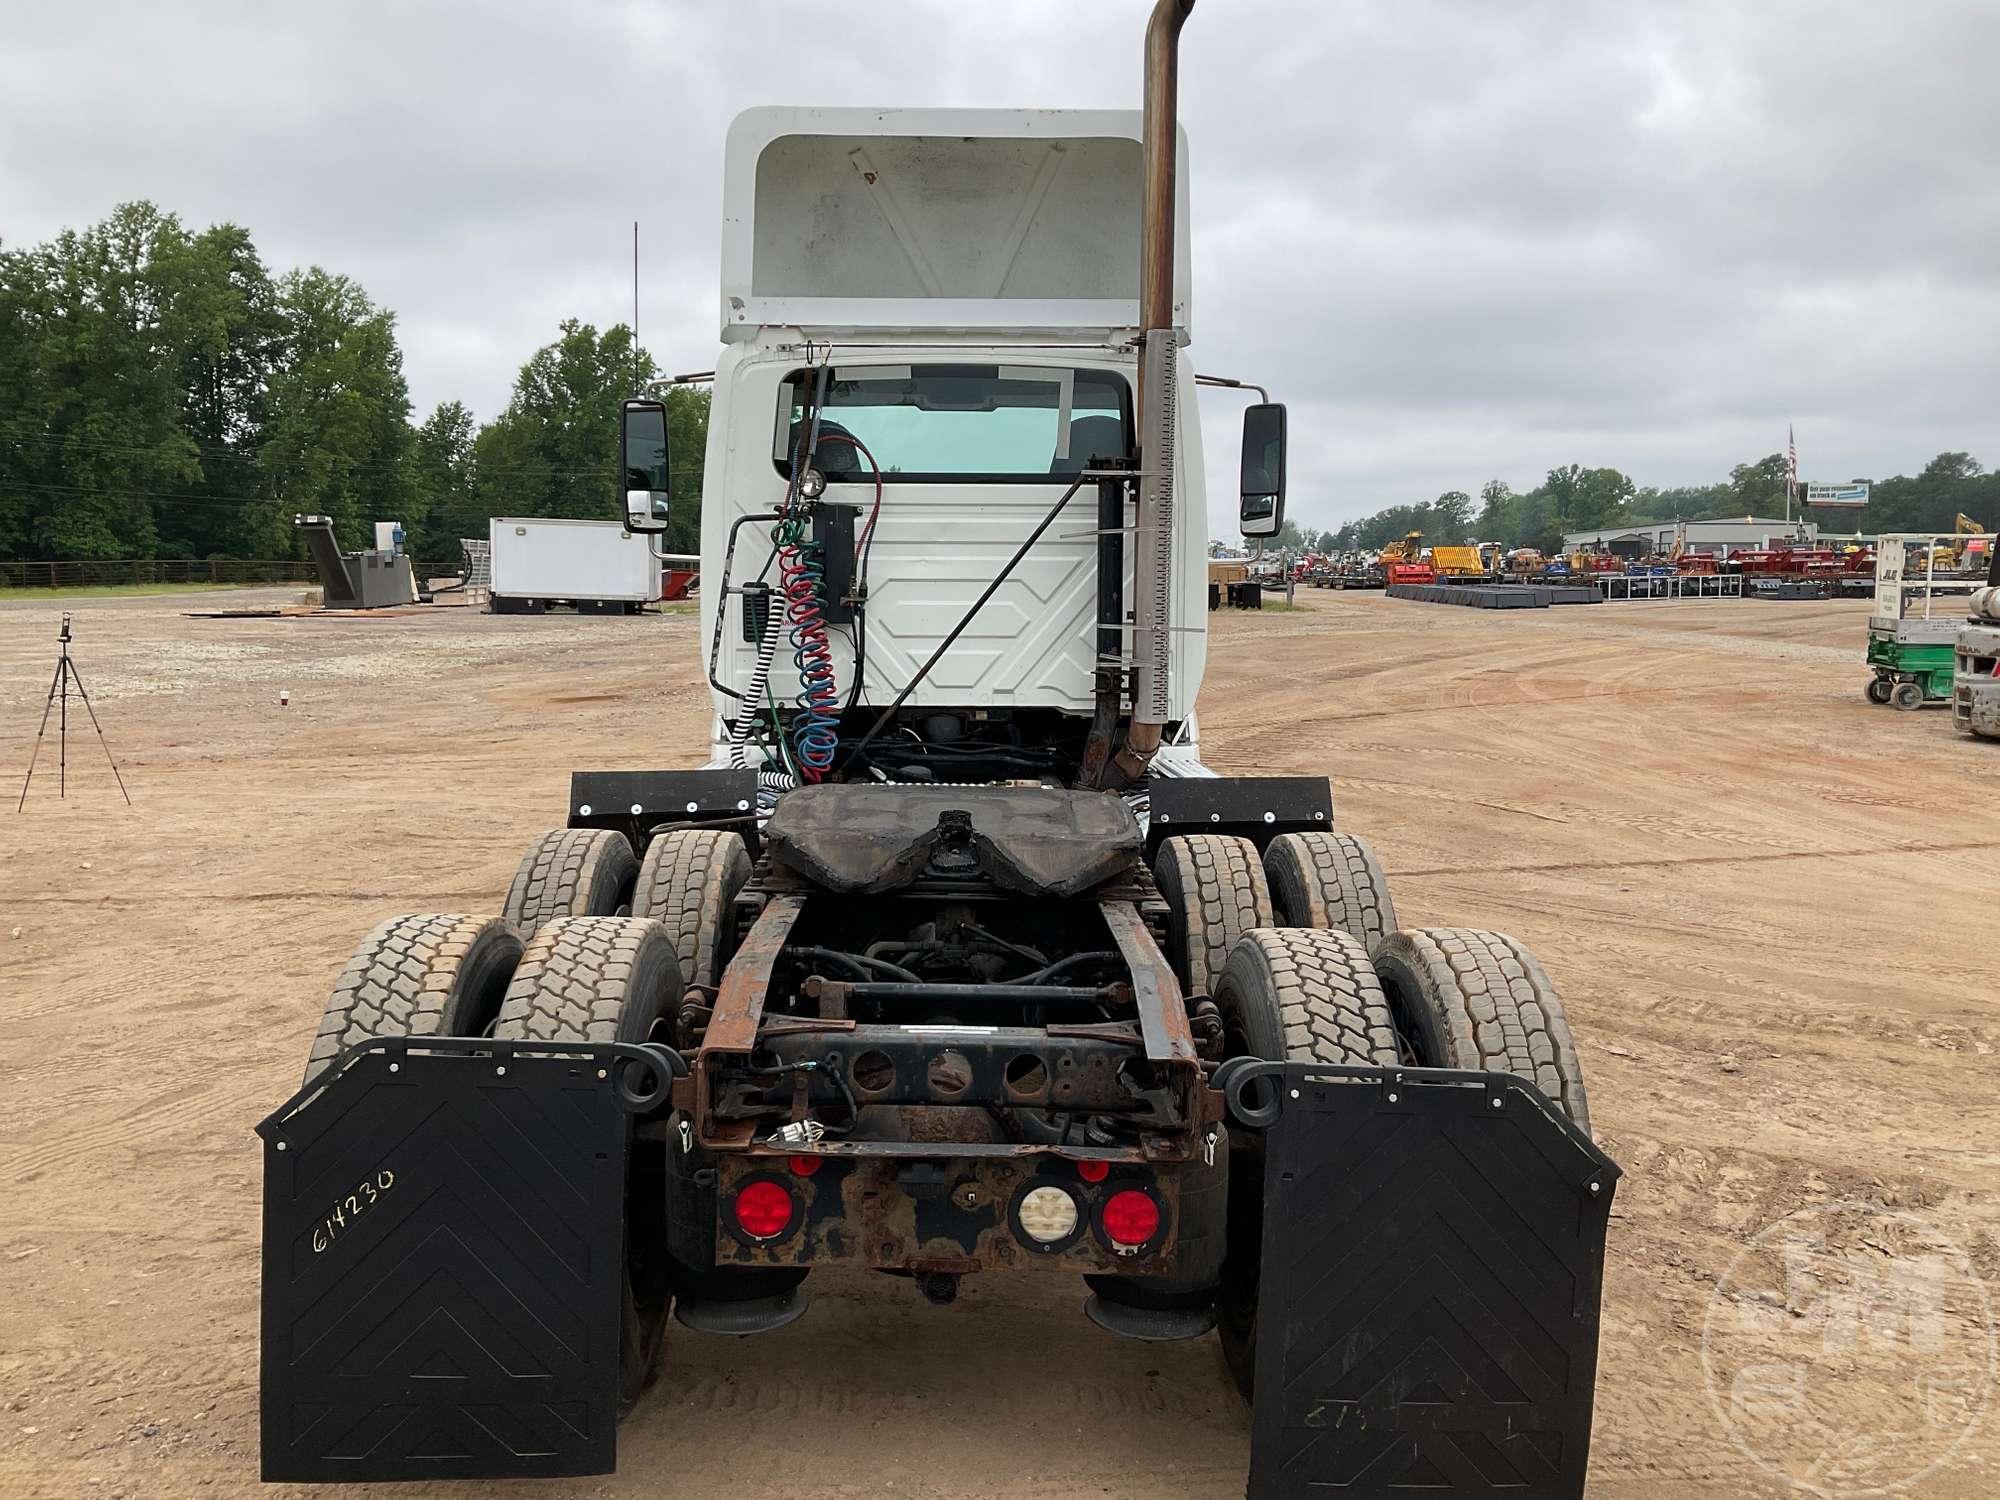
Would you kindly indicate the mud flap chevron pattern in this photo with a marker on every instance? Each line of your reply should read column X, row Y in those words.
column 1428, row 1304
column 443, row 1243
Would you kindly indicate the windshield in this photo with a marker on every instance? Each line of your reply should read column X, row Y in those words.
column 959, row 423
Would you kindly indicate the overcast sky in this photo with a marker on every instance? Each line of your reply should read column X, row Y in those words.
column 1462, row 238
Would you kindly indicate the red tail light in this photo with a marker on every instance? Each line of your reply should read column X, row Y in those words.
column 1131, row 1217
column 763, row 1209
column 804, row 1166
column 1093, row 1171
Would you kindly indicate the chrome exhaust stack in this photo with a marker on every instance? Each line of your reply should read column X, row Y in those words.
column 1153, row 536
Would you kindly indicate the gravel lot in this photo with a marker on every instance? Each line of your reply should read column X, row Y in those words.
column 1769, row 907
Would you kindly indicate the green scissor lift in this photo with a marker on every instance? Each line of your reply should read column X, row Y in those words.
column 1914, row 625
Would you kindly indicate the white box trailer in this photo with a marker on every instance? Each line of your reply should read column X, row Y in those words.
column 597, row 566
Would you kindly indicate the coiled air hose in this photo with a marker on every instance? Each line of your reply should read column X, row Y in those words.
column 801, row 579
column 816, row 727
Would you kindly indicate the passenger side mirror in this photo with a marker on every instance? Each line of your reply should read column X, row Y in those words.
column 642, row 441
column 1263, row 506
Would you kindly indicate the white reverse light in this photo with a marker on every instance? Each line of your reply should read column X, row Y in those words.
column 1047, row 1214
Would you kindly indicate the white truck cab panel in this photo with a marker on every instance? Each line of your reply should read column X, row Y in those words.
column 944, row 247
column 939, row 541
column 1015, row 222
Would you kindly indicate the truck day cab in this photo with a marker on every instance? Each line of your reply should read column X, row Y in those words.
column 955, row 960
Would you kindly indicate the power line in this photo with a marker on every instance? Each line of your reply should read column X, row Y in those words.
column 169, row 498
column 340, row 464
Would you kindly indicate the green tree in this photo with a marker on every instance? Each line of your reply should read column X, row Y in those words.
column 1453, row 510
column 226, row 328
column 338, row 442
column 687, row 432
column 20, row 400
column 441, row 468
column 1583, row 499
column 1684, row 503
column 1493, row 519
column 1758, row 489
column 552, row 452
column 95, row 426
column 1951, row 469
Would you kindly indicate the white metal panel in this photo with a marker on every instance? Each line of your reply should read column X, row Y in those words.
column 542, row 558
column 927, row 219
column 936, row 548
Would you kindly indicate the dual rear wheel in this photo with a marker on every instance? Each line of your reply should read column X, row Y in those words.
column 1247, row 930
column 593, row 946
column 1301, row 952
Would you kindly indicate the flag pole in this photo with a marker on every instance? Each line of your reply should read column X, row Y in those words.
column 1791, row 472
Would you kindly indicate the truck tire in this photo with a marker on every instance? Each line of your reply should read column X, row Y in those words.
column 1215, row 891
column 610, row 979
column 591, row 979
column 689, row 880
column 424, row 975
column 1290, row 995
column 1479, row 1000
column 1326, row 879
column 571, row 872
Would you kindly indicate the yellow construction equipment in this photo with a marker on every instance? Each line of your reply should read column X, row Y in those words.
column 1966, row 538
column 1409, row 549
column 1458, row 562
column 1403, row 561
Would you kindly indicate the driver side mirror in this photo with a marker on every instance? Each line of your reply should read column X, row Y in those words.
column 642, row 443
column 1263, row 502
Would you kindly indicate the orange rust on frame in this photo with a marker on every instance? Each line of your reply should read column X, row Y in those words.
column 1163, row 1020
column 739, row 1008
column 739, row 1001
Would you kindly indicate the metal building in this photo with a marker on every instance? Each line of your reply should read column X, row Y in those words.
column 1656, row 538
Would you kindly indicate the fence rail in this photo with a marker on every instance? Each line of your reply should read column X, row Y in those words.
column 218, row 570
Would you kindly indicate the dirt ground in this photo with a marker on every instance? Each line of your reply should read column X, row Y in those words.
column 1768, row 905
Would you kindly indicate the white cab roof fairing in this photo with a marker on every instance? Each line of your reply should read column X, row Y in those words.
column 996, row 221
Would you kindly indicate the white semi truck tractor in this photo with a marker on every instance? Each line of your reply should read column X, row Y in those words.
column 955, row 960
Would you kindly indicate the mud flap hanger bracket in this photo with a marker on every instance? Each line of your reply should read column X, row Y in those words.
column 641, row 1074
column 1254, row 1092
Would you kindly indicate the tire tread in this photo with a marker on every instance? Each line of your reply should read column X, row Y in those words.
column 573, row 983
column 1497, row 1006
column 1215, row 883
column 402, row 981
column 1324, row 879
column 688, row 881
column 563, row 870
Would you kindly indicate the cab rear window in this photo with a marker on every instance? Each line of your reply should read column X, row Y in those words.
column 990, row 424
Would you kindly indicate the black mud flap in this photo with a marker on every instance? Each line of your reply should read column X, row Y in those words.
column 1433, row 1256
column 444, row 1233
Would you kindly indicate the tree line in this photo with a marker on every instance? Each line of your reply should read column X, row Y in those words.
column 1576, row 498
column 164, row 394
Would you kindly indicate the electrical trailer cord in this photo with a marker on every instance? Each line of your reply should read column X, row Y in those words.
column 785, row 1070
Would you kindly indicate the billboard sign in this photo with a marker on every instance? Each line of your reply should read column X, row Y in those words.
column 1852, row 495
